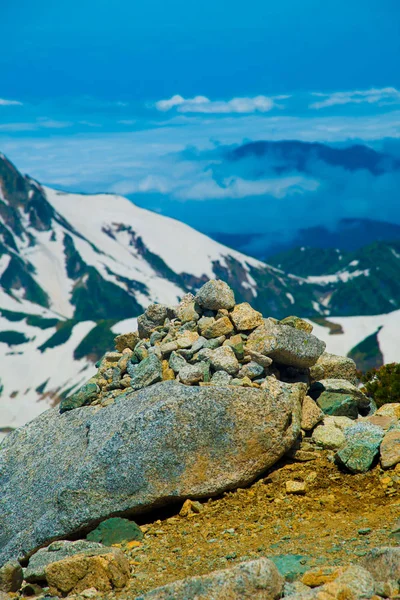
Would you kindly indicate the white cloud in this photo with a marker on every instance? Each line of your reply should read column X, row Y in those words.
column 202, row 104
column 4, row 102
column 381, row 97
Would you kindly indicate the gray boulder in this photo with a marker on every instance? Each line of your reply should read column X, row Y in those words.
column 215, row 294
column 285, row 344
column 332, row 366
column 60, row 474
column 255, row 579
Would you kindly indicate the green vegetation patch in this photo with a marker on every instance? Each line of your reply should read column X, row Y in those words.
column 99, row 340
column 61, row 336
column 13, row 338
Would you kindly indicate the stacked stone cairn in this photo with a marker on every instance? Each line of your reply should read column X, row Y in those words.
column 209, row 340
column 206, row 339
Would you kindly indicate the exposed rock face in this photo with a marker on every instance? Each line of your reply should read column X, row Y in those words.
column 62, row 473
column 256, row 579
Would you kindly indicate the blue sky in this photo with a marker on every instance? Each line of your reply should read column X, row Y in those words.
column 101, row 96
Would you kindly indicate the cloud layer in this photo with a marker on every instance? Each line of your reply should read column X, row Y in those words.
column 381, row 97
column 4, row 102
column 202, row 104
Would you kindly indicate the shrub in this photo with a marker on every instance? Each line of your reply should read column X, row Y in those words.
column 383, row 384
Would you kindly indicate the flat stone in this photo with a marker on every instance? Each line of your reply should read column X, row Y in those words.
column 167, row 442
column 311, row 414
column 104, row 570
column 362, row 445
column 257, row 579
column 332, row 366
column 261, row 359
column 390, row 449
column 35, row 571
column 285, row 344
column 224, row 359
column 215, row 294
column 222, row 326
column 298, row 488
column 245, row 318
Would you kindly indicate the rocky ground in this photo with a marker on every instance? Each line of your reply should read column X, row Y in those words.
column 251, row 461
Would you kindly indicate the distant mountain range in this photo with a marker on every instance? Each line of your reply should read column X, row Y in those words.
column 77, row 269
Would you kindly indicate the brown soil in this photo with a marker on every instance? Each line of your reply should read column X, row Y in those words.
column 325, row 525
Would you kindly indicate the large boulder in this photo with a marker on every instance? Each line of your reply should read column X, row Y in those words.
column 63, row 473
column 285, row 344
column 256, row 579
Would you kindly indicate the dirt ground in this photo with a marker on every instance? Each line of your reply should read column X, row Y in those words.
column 339, row 518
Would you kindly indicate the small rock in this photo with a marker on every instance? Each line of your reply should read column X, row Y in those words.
column 252, row 370
column 186, row 309
column 362, row 444
column 364, row 531
column 311, row 414
column 168, row 348
column 297, row 323
column 191, row 507
column 339, row 397
column 221, row 378
column 390, row 448
column 218, row 328
column 126, row 340
column 103, row 570
column 245, row 318
column 11, row 577
column 187, row 339
column 296, row 487
column 215, row 294
column 224, row 359
column 383, row 563
column 355, row 583
column 115, row 531
column 236, row 343
column 167, row 373
column 35, row 571
column 389, row 410
column 262, row 360
column 146, row 373
column 191, row 374
column 331, row 366
column 320, row 575
column 329, row 437
column 85, row 395
column 32, row 589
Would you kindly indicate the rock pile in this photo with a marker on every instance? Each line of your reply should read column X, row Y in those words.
column 206, row 340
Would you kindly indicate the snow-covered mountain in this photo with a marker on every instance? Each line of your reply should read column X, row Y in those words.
column 76, row 269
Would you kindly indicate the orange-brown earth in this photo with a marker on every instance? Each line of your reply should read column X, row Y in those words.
column 335, row 522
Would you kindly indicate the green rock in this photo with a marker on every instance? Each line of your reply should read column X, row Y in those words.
column 115, row 531
column 338, row 405
column 146, row 373
column 290, row 566
column 85, row 395
column 362, row 445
